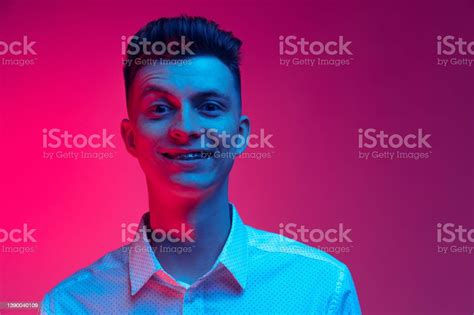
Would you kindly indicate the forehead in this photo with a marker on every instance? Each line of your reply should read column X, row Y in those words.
column 194, row 75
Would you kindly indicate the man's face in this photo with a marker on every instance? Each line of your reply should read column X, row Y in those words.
column 173, row 109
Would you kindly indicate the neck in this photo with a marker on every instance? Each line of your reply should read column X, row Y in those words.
column 207, row 219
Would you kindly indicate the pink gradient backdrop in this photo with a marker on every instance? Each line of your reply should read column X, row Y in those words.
column 314, row 178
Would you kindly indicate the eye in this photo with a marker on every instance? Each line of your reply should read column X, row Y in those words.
column 211, row 108
column 159, row 110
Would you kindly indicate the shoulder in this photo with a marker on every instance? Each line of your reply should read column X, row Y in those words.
column 306, row 271
column 276, row 247
column 92, row 277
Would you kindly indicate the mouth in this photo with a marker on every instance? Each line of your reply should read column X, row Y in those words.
column 187, row 156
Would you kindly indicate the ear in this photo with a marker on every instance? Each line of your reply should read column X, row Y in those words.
column 244, row 131
column 128, row 136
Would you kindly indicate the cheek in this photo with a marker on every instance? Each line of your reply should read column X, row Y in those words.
column 227, row 132
column 148, row 135
column 222, row 170
column 228, row 122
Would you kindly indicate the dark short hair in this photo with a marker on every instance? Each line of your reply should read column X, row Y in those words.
column 208, row 40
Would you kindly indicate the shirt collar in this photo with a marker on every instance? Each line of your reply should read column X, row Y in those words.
column 142, row 260
column 234, row 256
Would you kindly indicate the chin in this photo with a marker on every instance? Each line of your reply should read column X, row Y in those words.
column 191, row 187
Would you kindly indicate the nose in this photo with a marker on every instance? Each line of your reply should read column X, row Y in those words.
column 185, row 126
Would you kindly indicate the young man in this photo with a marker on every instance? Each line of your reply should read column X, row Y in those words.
column 193, row 253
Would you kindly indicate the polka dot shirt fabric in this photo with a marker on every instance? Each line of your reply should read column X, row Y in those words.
column 257, row 272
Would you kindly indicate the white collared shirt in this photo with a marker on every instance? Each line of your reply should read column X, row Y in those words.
column 256, row 272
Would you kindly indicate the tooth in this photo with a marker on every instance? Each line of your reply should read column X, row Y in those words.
column 190, row 156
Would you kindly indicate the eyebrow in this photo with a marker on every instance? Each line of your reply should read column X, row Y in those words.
column 195, row 97
column 210, row 94
column 155, row 88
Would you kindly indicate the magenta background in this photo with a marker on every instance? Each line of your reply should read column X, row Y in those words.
column 314, row 178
